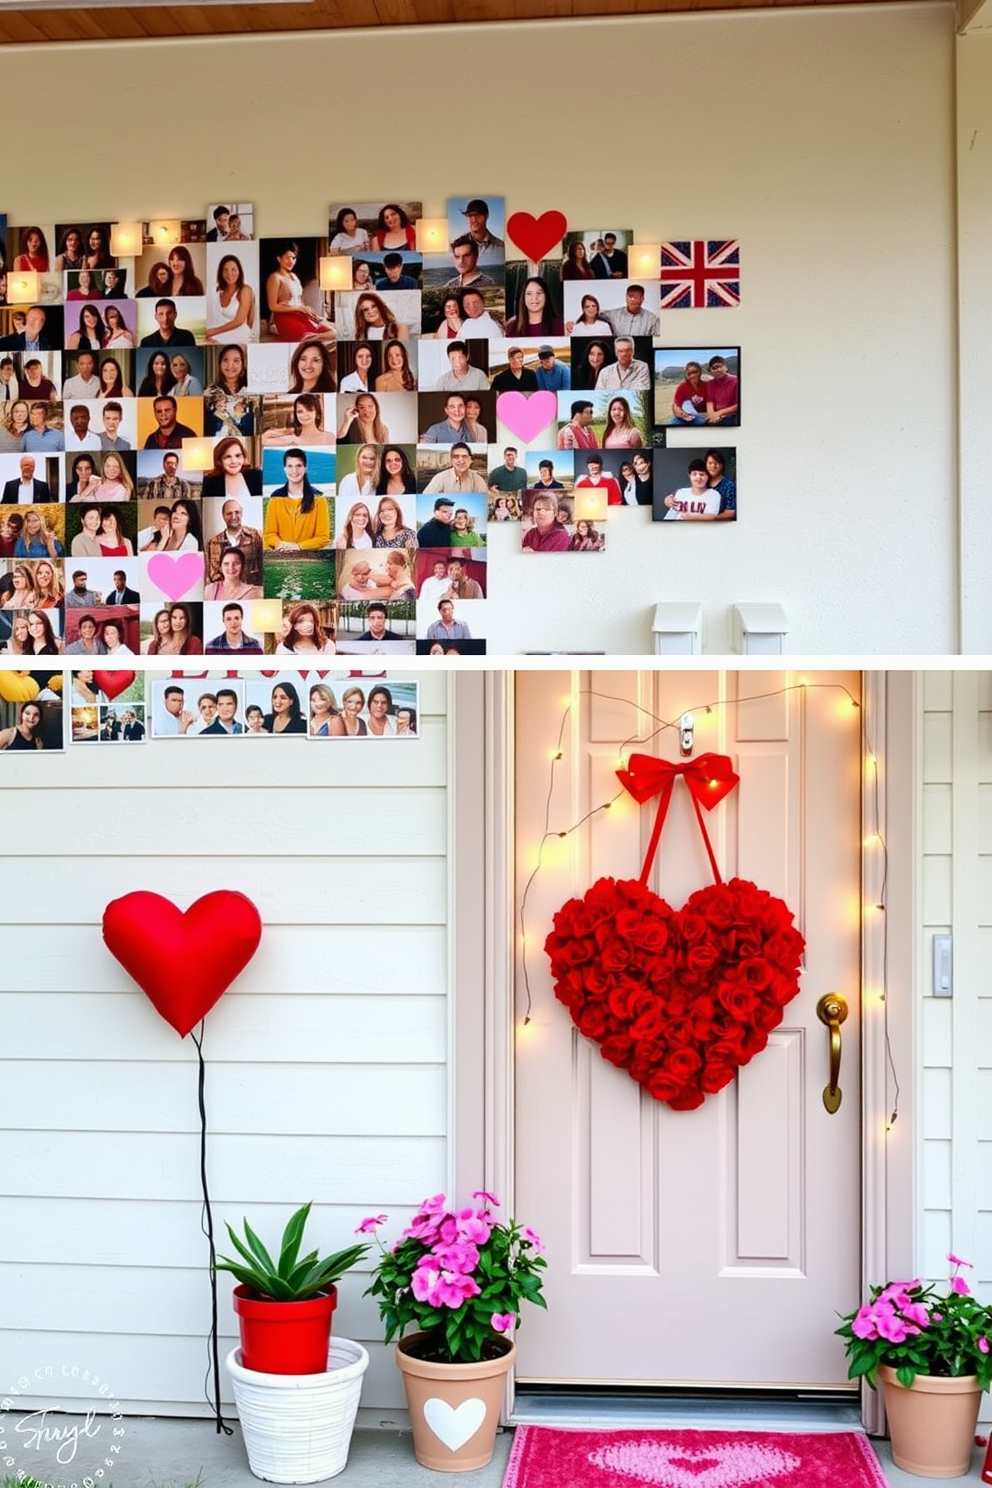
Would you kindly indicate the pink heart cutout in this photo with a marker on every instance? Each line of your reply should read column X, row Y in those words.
column 175, row 574
column 525, row 415
column 536, row 236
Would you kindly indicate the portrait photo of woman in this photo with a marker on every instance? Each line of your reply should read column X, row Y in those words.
column 306, row 634
column 91, row 333
column 311, row 368
column 305, row 427
column 231, row 304
column 325, row 715
column 394, row 229
column 112, row 384
column 231, row 584
column 231, row 474
column 398, row 376
column 286, row 715
column 158, row 381
column 536, row 314
column 361, row 421
column 362, row 481
column 290, row 317
column 118, row 336
column 345, row 234
column 184, row 280
column 27, row 732
column 33, row 255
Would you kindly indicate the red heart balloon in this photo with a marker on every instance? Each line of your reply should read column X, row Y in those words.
column 536, row 236
column 679, row 998
column 112, row 684
column 182, row 962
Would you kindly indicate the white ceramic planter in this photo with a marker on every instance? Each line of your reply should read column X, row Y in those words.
column 297, row 1427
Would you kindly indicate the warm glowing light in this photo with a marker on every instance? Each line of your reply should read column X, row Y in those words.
column 23, row 287
column 335, row 272
column 872, row 839
column 266, row 614
column 432, row 234
column 590, row 504
column 165, row 232
column 644, row 260
column 125, row 239
column 198, row 454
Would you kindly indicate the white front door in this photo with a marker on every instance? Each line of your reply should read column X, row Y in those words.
column 713, row 1246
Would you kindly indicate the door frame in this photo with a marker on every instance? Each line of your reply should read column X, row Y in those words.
column 483, row 945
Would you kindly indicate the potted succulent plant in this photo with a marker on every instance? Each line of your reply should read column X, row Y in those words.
column 458, row 1277
column 284, row 1307
column 932, row 1352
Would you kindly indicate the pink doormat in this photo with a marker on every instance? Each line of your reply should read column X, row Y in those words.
column 546, row 1457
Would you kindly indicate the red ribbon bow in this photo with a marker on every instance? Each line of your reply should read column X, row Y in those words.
column 709, row 778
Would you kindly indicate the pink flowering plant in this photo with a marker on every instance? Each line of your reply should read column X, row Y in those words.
column 458, row 1275
column 918, row 1329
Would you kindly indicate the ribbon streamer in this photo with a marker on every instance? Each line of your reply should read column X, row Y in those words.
column 709, row 778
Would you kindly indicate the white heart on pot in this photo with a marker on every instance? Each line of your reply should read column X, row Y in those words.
column 454, row 1427
column 726, row 1464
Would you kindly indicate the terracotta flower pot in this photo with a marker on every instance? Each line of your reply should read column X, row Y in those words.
column 932, row 1424
column 454, row 1408
column 285, row 1337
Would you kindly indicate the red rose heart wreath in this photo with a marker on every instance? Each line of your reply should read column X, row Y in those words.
column 679, row 998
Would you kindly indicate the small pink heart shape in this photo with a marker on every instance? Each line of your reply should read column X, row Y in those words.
column 176, row 573
column 526, row 414
column 536, row 236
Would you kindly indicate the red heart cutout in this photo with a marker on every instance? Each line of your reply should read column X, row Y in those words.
column 112, row 684
column 536, row 236
column 182, row 962
column 679, row 998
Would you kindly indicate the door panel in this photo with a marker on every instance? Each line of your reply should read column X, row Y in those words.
column 713, row 1246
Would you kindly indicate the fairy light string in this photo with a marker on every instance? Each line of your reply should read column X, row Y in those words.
column 871, row 786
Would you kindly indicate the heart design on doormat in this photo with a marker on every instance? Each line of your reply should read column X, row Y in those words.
column 536, row 236
column 454, row 1427
column 724, row 1465
column 679, row 998
column 175, row 573
column 525, row 415
column 182, row 962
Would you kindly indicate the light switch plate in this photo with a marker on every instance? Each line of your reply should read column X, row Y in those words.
column 942, row 969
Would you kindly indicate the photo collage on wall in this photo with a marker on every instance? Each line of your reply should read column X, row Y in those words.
column 213, row 442
column 127, row 707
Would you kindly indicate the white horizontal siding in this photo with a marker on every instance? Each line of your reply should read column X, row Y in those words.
column 318, row 890
column 158, row 1233
column 243, row 1169
column 303, row 1098
column 955, row 1044
column 312, row 959
column 89, row 1025
column 150, row 1372
column 326, row 1064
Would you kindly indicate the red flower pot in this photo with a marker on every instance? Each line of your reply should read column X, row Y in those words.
column 285, row 1337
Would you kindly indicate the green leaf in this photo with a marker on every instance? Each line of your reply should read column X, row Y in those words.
column 291, row 1238
column 261, row 1254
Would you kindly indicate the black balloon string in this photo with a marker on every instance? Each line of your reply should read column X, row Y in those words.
column 207, row 1226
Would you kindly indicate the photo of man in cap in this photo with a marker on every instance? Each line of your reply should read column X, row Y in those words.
column 491, row 249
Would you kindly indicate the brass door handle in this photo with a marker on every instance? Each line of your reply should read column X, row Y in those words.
column 832, row 1010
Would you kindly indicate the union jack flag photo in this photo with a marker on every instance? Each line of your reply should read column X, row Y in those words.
column 701, row 276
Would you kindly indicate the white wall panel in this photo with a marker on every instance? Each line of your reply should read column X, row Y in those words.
column 326, row 1064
